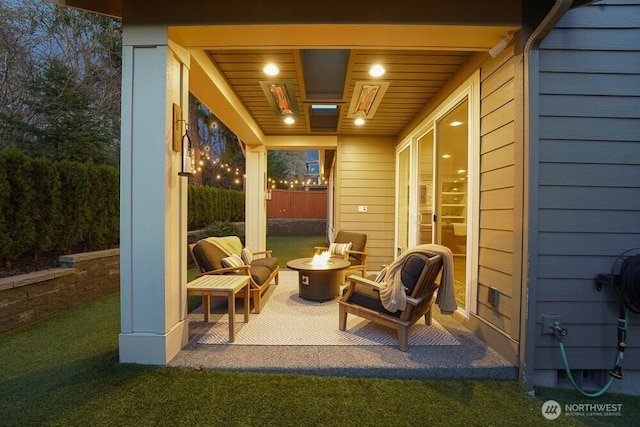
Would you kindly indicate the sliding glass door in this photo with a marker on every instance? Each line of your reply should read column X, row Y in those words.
column 403, row 190
column 433, row 189
column 425, row 185
column 452, row 177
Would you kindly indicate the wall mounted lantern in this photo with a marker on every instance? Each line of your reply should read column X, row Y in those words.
column 188, row 164
column 183, row 144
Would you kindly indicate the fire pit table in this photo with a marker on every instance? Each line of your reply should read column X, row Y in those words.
column 318, row 282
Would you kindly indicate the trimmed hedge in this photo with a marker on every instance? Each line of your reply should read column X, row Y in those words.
column 208, row 205
column 48, row 206
column 19, row 222
column 56, row 206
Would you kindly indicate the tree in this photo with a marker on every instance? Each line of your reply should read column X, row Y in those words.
column 219, row 155
column 50, row 55
column 17, row 42
column 221, row 158
column 285, row 167
column 65, row 126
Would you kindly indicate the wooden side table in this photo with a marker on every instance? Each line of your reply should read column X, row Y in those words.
column 220, row 286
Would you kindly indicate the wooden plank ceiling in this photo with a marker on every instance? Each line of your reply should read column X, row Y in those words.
column 413, row 76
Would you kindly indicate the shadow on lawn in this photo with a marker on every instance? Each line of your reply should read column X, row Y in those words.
column 45, row 396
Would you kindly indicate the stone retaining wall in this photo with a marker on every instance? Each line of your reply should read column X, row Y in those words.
column 83, row 277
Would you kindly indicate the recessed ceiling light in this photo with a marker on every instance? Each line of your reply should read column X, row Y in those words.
column 271, row 69
column 359, row 121
column 446, row 156
column 324, row 107
column 289, row 120
column 377, row 70
column 461, row 171
column 455, row 123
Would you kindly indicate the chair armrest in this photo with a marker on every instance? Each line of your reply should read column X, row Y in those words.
column 266, row 253
column 363, row 281
column 244, row 268
column 357, row 252
column 352, row 281
column 363, row 255
column 414, row 301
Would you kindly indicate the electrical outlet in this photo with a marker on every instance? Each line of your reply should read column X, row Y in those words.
column 547, row 320
column 493, row 297
column 362, row 208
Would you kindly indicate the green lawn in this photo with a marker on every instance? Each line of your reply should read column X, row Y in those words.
column 287, row 248
column 65, row 371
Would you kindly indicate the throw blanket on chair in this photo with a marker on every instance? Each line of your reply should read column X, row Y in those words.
column 228, row 244
column 392, row 293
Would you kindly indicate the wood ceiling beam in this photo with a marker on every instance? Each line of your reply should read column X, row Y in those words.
column 336, row 36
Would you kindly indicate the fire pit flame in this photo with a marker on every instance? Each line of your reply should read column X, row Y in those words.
column 321, row 259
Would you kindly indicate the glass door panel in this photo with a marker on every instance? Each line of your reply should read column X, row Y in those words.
column 452, row 175
column 425, row 185
column 404, row 173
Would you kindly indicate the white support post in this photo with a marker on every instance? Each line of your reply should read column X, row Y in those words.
column 152, row 199
column 255, row 199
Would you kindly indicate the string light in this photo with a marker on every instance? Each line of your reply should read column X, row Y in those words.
column 238, row 177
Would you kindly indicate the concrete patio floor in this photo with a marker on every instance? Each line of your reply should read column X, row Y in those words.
column 473, row 359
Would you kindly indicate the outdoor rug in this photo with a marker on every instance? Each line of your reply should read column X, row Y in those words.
column 287, row 319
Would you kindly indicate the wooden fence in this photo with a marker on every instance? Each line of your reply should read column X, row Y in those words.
column 297, row 204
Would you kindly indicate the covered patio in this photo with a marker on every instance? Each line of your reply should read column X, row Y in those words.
column 457, row 141
column 470, row 359
column 432, row 65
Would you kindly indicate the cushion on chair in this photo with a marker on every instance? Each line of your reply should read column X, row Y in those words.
column 232, row 261
column 270, row 262
column 369, row 297
column 339, row 248
column 358, row 243
column 411, row 270
column 216, row 248
column 247, row 256
column 355, row 260
column 201, row 258
column 358, row 240
column 259, row 273
column 366, row 296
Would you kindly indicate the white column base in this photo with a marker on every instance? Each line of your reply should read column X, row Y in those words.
column 153, row 349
